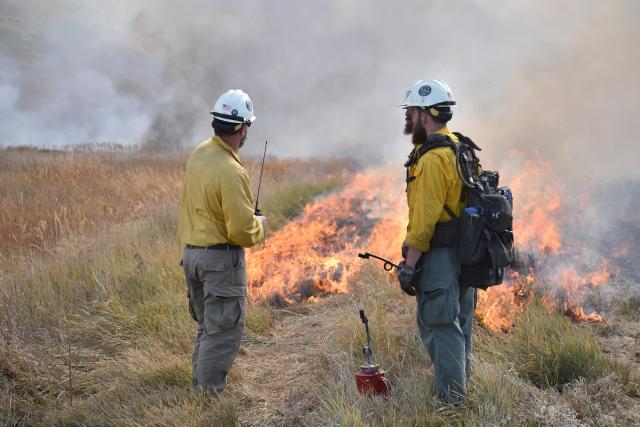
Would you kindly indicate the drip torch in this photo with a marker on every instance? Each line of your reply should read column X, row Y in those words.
column 370, row 379
column 388, row 265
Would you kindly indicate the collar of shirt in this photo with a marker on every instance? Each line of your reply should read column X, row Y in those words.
column 442, row 131
column 219, row 142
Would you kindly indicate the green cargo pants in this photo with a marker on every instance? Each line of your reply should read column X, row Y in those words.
column 445, row 318
column 217, row 282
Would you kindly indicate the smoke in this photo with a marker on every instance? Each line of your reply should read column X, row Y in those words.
column 555, row 79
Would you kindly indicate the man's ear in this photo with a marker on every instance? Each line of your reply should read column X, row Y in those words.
column 424, row 116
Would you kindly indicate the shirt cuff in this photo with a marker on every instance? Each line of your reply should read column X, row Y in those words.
column 418, row 245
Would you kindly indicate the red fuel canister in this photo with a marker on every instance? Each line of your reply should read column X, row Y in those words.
column 370, row 380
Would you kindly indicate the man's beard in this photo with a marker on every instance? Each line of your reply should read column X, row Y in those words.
column 408, row 126
column 242, row 141
column 418, row 133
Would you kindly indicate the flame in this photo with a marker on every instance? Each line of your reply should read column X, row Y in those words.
column 534, row 224
column 577, row 314
column 554, row 269
column 315, row 254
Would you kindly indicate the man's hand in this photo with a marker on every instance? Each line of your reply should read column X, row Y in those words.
column 406, row 276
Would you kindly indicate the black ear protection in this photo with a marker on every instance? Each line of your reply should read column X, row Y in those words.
column 226, row 126
column 440, row 113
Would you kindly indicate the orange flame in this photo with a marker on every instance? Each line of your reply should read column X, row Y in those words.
column 559, row 274
column 314, row 255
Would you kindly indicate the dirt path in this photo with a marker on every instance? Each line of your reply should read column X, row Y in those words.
column 278, row 372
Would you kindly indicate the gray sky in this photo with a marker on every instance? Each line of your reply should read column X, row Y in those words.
column 559, row 79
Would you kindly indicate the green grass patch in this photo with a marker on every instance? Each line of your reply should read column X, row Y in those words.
column 552, row 352
column 173, row 374
column 258, row 318
column 289, row 200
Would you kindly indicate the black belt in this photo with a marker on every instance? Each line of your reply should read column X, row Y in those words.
column 218, row 247
column 445, row 235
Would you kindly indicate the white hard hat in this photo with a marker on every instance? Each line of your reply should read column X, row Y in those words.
column 428, row 93
column 234, row 106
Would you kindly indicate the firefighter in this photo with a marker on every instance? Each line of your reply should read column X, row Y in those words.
column 431, row 268
column 217, row 221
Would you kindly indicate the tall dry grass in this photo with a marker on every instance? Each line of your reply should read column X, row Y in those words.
column 93, row 323
column 94, row 328
column 49, row 195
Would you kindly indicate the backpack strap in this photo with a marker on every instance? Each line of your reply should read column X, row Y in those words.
column 466, row 140
column 453, row 216
column 433, row 141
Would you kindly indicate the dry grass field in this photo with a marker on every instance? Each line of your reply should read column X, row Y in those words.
column 49, row 195
column 95, row 330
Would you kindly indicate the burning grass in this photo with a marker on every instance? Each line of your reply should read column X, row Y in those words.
column 97, row 331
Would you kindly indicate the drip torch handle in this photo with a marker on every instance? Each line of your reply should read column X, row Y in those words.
column 366, row 350
column 363, row 317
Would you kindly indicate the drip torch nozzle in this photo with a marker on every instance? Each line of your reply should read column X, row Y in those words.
column 366, row 350
column 388, row 265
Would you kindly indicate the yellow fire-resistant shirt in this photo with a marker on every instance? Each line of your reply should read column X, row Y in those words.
column 437, row 183
column 217, row 206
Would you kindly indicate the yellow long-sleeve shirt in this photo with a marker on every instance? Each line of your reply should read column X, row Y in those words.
column 436, row 183
column 217, row 206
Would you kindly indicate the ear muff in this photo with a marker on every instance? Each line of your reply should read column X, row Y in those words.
column 440, row 114
column 228, row 127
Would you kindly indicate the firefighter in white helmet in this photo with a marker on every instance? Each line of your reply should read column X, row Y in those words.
column 217, row 221
column 431, row 268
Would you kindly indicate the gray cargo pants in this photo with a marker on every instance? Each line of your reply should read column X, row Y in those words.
column 217, row 281
column 445, row 318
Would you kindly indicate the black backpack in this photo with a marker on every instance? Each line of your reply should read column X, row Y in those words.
column 483, row 234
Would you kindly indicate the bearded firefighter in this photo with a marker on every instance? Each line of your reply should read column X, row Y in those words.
column 431, row 268
column 217, row 220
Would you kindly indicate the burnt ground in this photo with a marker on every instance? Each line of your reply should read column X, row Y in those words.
column 615, row 234
column 617, row 218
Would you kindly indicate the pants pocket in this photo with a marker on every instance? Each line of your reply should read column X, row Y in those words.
column 238, row 269
column 222, row 313
column 191, row 309
column 437, row 307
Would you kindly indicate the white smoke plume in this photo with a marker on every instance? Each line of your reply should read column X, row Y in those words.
column 556, row 78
